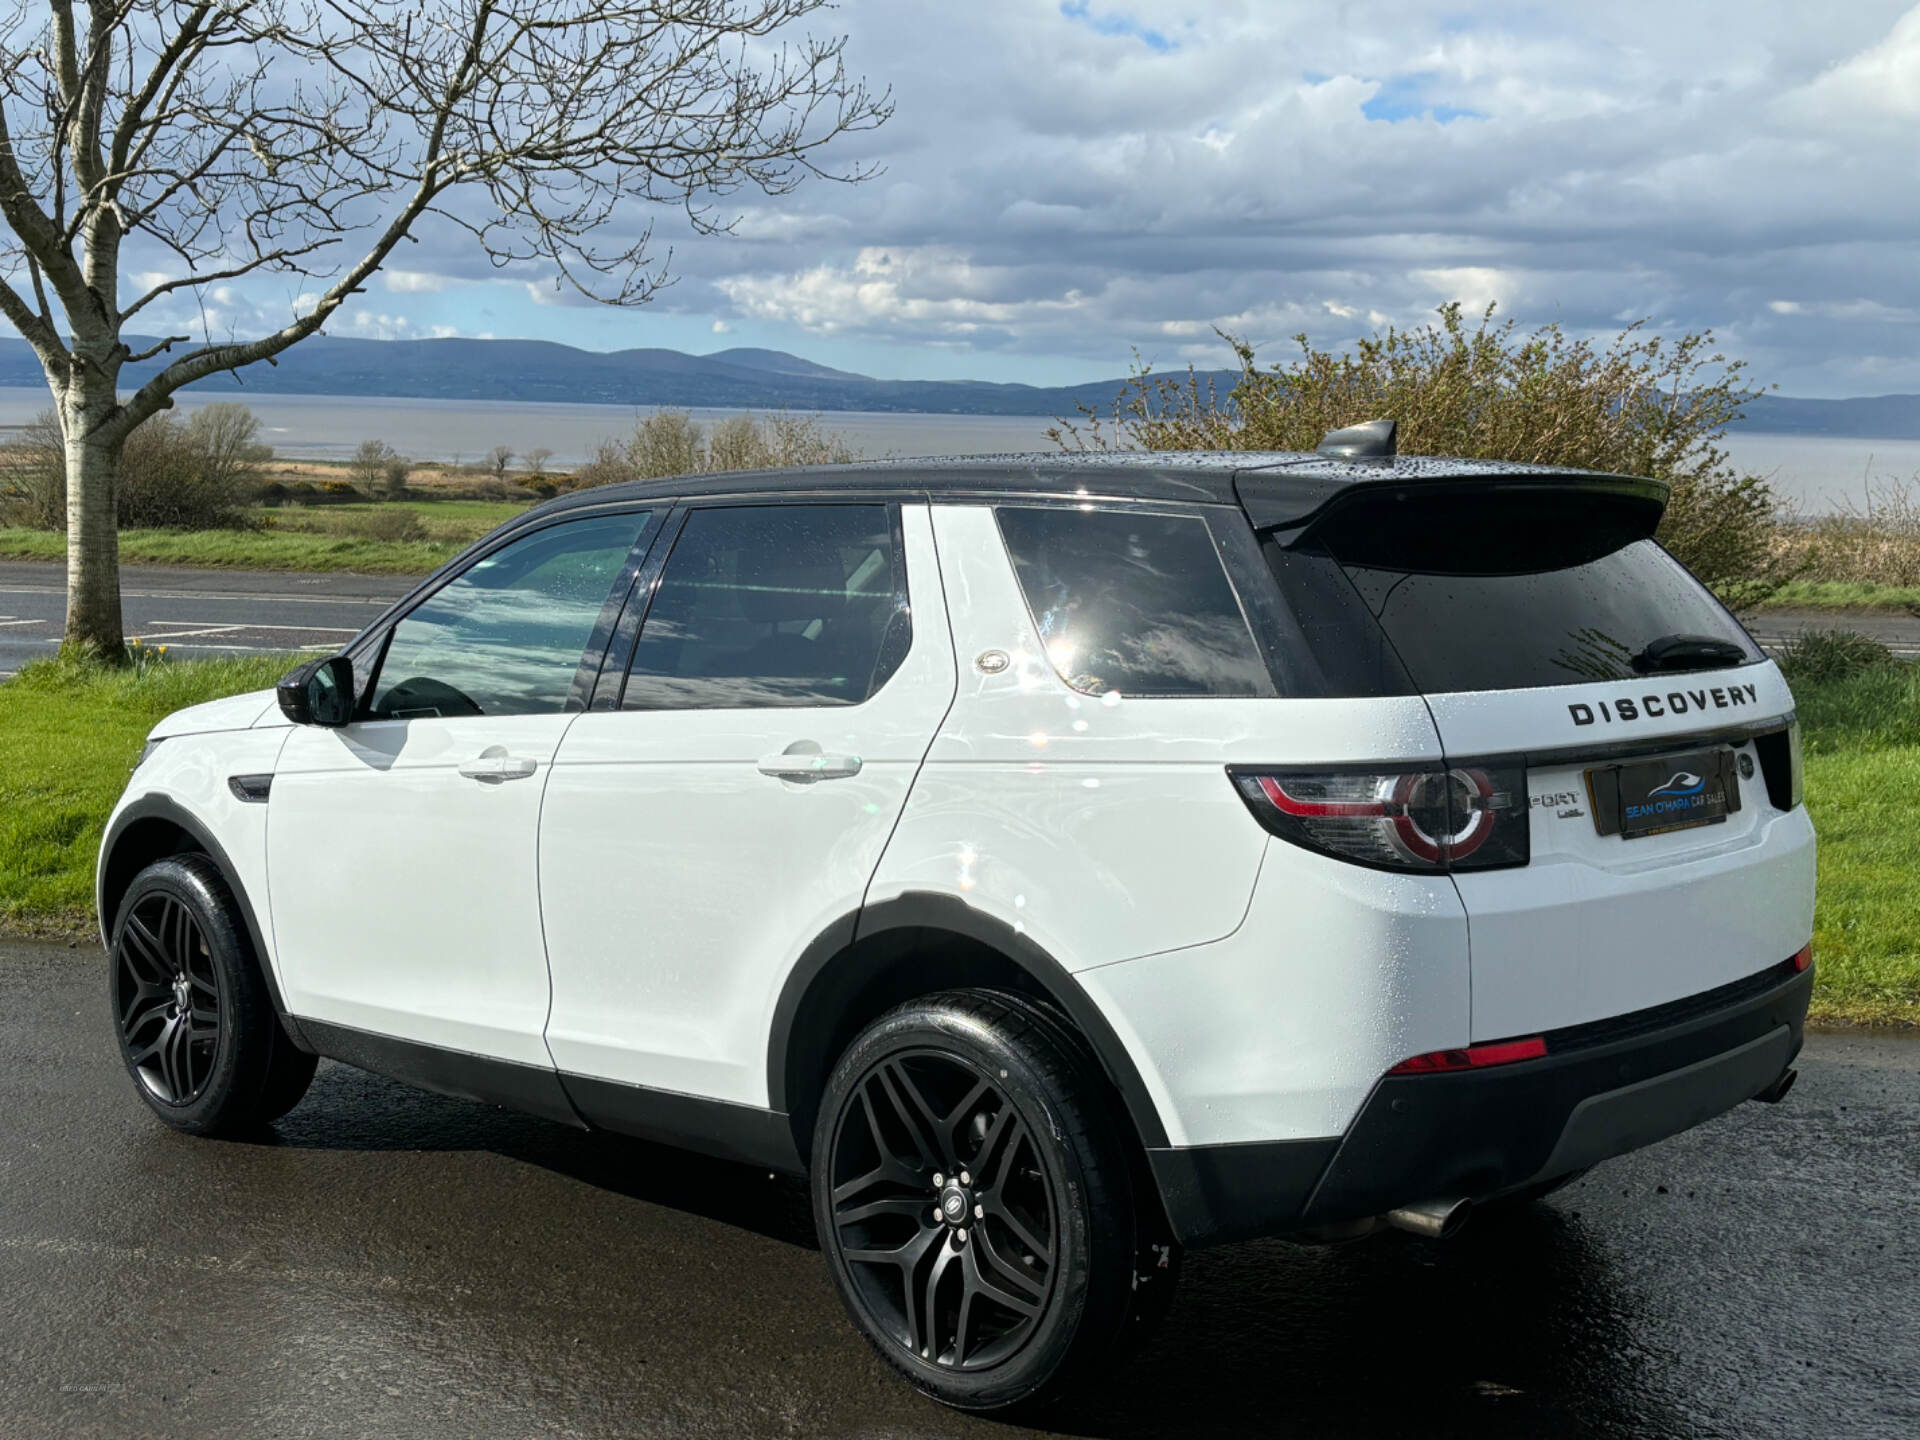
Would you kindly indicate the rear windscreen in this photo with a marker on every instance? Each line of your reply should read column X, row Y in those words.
column 1476, row 594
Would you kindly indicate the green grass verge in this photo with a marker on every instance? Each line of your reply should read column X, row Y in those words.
column 1845, row 595
column 248, row 550
column 300, row 537
column 1863, row 768
column 71, row 733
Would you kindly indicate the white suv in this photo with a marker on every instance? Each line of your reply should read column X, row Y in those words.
column 1064, row 860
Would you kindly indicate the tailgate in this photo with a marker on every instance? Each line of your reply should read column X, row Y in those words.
column 1547, row 630
column 1600, row 924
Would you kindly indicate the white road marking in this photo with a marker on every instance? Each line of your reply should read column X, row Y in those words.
column 251, row 625
column 272, row 598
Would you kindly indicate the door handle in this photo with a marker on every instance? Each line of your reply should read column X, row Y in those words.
column 804, row 766
column 495, row 769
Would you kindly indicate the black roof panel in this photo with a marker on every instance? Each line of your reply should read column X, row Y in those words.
column 1277, row 486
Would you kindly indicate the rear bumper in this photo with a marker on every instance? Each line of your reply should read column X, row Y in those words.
column 1602, row 1090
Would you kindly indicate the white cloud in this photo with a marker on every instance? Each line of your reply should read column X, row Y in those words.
column 1882, row 82
column 1081, row 190
column 413, row 282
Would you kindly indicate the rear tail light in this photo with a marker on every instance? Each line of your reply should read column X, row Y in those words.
column 1474, row 1057
column 1468, row 817
column 1803, row 958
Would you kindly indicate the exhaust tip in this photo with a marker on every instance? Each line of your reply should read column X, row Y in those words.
column 1432, row 1219
column 1777, row 1091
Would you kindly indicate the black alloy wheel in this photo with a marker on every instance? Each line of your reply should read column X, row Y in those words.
column 167, row 995
column 978, row 1205
column 942, row 1209
column 192, row 1008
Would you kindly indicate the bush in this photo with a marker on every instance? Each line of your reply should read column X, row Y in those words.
column 670, row 442
column 1823, row 657
column 1641, row 406
column 199, row 474
column 33, row 476
column 1874, row 544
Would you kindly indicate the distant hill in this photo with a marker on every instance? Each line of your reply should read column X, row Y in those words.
column 1868, row 417
column 746, row 378
column 541, row 370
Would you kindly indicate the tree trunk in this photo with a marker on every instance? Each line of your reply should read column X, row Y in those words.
column 93, row 532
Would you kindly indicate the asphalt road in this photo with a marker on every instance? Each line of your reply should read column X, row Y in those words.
column 391, row 1263
column 1899, row 633
column 197, row 612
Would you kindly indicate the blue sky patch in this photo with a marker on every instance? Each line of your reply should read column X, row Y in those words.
column 1404, row 97
column 1119, row 26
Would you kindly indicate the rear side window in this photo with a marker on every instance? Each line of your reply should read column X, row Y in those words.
column 1133, row 603
column 1493, row 592
column 774, row 605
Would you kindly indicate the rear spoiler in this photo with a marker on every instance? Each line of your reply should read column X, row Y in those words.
column 1288, row 500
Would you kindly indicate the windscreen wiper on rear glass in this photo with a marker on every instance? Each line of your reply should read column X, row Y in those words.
column 1688, row 652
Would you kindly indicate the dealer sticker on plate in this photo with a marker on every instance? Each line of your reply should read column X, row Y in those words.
column 1673, row 792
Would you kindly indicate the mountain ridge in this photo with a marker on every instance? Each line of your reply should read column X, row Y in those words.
column 748, row 377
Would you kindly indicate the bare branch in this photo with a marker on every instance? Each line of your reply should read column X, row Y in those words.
column 215, row 140
column 38, row 333
column 159, row 349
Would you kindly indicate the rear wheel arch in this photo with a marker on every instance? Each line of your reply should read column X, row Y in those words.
column 919, row 944
column 153, row 828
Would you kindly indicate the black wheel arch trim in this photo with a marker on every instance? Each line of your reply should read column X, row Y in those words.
column 163, row 808
column 928, row 910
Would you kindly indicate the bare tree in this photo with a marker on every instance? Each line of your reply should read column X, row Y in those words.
column 369, row 464
column 537, row 458
column 153, row 150
column 498, row 459
column 227, row 436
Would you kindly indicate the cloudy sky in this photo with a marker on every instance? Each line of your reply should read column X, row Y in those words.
column 1067, row 182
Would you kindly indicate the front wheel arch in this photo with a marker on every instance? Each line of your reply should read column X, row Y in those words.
column 153, row 828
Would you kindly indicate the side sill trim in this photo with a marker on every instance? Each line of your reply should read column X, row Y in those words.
column 531, row 1088
column 690, row 1122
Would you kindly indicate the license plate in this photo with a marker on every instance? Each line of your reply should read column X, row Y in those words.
column 1672, row 792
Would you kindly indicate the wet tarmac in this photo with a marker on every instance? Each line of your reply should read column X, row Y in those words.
column 391, row 1263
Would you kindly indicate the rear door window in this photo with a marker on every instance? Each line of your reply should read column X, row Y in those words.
column 1133, row 603
column 774, row 605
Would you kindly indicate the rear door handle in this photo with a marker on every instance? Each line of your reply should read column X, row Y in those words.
column 498, row 768
column 810, row 767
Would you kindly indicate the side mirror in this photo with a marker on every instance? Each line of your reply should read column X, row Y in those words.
column 319, row 692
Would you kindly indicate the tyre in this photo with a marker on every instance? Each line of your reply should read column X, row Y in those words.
column 974, row 1201
column 195, row 1019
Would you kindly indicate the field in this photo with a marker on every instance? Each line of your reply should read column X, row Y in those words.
column 402, row 537
column 71, row 735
